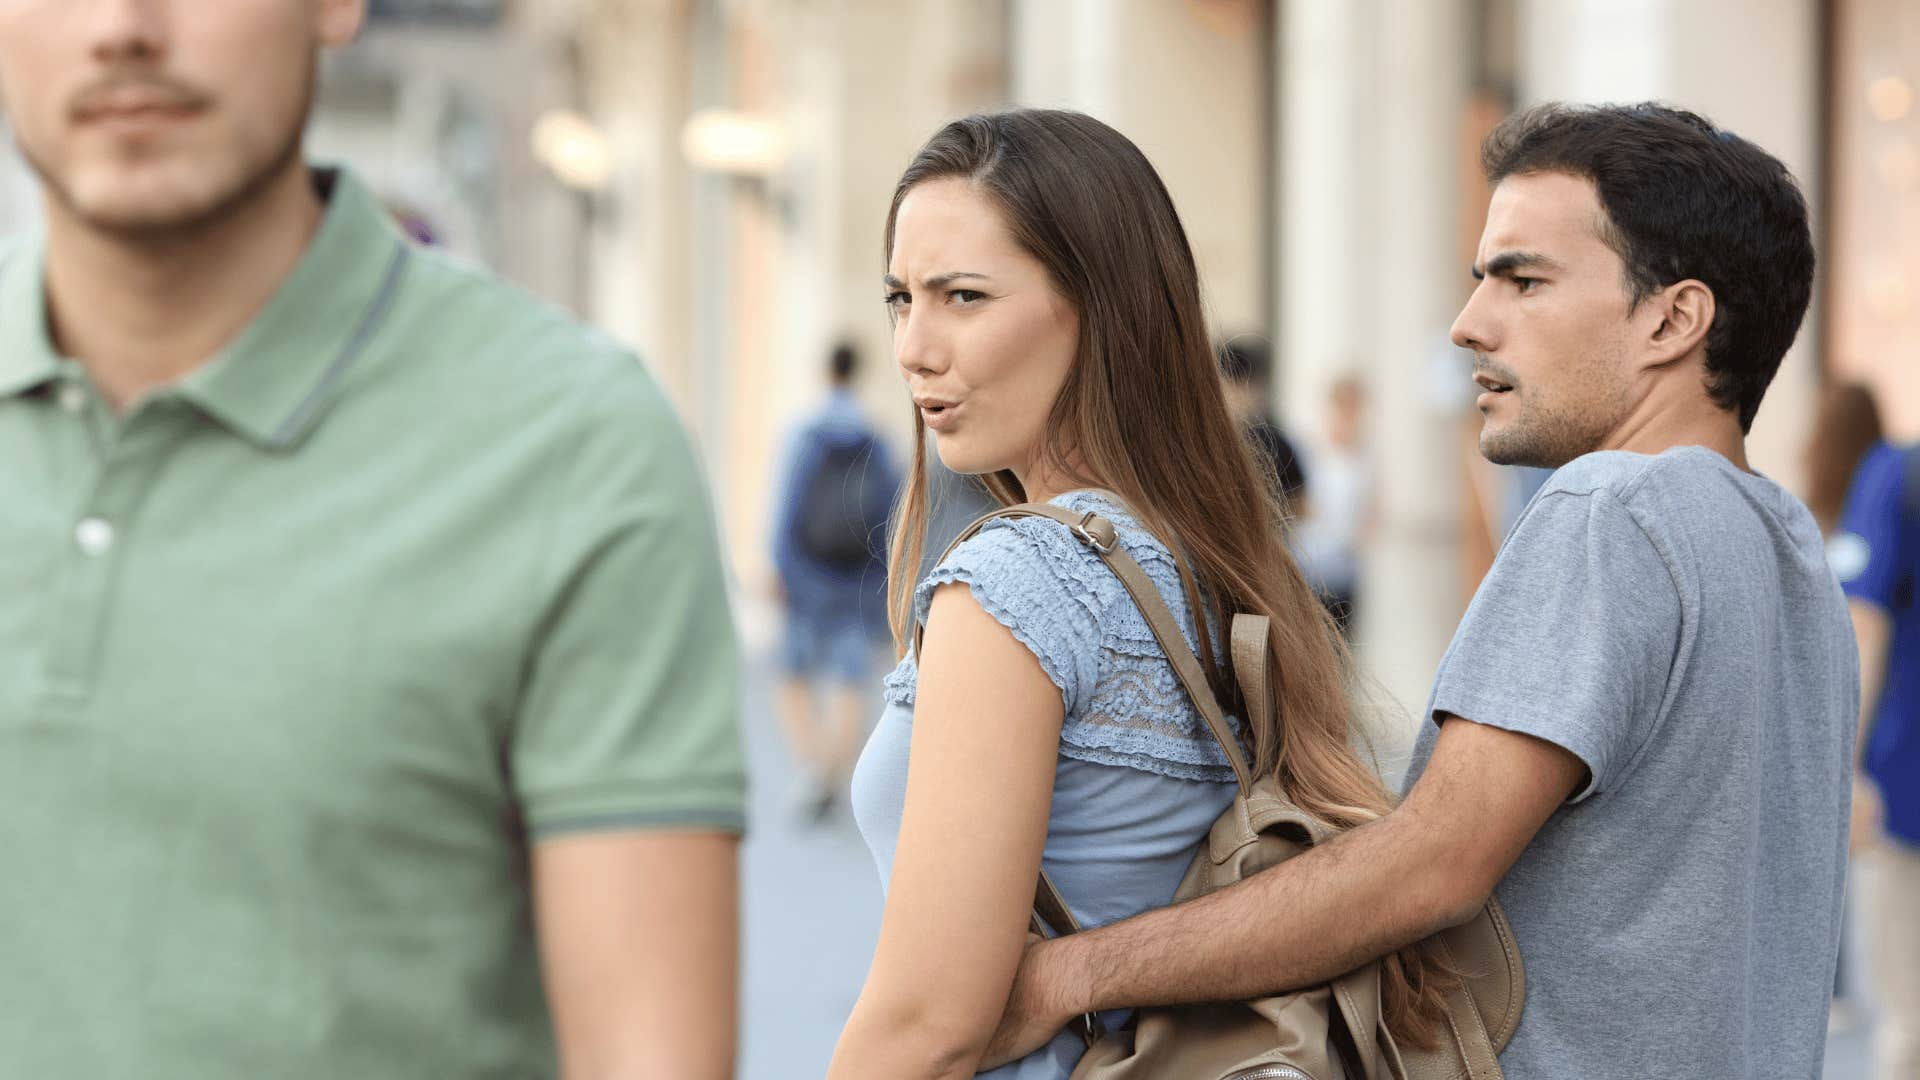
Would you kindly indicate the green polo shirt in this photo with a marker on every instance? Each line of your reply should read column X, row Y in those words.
column 299, row 656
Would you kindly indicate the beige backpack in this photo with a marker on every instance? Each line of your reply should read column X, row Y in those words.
column 1329, row 1032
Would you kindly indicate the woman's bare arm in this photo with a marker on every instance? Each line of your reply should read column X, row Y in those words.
column 986, row 734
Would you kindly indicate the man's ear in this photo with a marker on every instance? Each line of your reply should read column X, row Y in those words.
column 1686, row 314
column 339, row 21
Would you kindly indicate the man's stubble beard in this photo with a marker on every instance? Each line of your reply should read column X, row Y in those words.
column 224, row 206
column 1551, row 435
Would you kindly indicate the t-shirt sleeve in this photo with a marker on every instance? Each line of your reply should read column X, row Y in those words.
column 1032, row 576
column 1571, row 637
column 629, row 714
column 1865, row 555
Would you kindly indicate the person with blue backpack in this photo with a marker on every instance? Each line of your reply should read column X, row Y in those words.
column 1877, row 558
column 829, row 534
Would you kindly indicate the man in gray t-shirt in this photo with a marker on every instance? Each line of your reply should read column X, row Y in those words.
column 1640, row 738
column 1671, row 622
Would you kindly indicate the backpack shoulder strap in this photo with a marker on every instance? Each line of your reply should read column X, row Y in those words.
column 1253, row 664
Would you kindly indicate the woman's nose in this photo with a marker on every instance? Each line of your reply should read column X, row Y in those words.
column 915, row 348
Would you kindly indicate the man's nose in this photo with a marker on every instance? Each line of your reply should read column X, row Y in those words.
column 129, row 31
column 1471, row 329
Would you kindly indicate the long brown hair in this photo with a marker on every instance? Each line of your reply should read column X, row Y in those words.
column 1142, row 413
column 1845, row 427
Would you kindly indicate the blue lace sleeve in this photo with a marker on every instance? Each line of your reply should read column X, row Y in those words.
column 1123, row 703
column 1026, row 573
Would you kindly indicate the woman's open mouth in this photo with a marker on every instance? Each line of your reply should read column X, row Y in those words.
column 937, row 413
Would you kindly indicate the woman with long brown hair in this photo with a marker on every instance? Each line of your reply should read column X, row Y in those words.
column 1048, row 325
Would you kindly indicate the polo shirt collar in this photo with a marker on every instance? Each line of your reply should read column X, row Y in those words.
column 272, row 383
column 28, row 359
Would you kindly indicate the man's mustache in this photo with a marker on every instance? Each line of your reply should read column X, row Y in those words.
column 1499, row 374
column 148, row 88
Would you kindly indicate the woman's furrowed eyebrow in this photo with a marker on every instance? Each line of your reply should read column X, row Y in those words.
column 937, row 281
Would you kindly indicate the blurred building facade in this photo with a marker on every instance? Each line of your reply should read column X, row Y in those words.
column 1322, row 152
column 1872, row 286
column 707, row 180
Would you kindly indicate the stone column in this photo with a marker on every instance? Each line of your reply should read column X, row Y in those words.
column 1185, row 83
column 1372, row 96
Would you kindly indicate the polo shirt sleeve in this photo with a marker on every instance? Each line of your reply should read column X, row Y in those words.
column 628, row 716
column 1865, row 555
column 1572, row 636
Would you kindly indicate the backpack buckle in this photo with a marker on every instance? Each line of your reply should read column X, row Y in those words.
column 1096, row 532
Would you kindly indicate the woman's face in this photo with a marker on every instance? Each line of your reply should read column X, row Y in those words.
column 983, row 339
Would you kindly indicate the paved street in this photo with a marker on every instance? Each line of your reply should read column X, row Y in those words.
column 812, row 900
column 812, row 908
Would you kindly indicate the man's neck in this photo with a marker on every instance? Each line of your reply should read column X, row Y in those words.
column 140, row 312
column 1660, row 426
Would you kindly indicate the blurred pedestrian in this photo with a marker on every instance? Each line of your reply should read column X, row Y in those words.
column 1877, row 557
column 1329, row 539
column 1640, row 732
column 1246, row 365
column 1040, row 723
column 367, row 688
column 837, row 492
column 1845, row 427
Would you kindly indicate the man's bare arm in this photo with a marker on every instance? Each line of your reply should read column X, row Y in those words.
column 1872, row 629
column 639, row 942
column 1429, row 864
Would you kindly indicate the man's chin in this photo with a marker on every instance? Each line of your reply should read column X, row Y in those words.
column 159, row 195
column 1506, row 447
column 1513, row 452
column 140, row 208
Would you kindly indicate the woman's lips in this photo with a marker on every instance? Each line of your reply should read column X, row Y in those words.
column 938, row 416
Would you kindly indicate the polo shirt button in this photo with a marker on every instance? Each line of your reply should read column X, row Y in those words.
column 93, row 536
column 72, row 398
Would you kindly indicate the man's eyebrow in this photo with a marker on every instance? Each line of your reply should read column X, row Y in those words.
column 937, row 281
column 1505, row 263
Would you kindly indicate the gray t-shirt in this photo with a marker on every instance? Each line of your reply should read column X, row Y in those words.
column 1671, row 621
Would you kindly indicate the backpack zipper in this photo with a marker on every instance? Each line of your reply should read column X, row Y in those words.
column 1268, row 1072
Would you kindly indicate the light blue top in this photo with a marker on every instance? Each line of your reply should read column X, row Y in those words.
column 1139, row 778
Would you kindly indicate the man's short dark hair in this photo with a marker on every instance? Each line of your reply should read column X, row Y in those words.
column 1684, row 199
column 843, row 362
column 1244, row 360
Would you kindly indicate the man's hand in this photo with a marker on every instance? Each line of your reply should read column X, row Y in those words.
column 1030, row 1022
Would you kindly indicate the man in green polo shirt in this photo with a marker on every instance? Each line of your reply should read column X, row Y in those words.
column 367, row 687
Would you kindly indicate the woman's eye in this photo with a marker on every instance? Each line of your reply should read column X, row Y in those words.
column 966, row 296
column 897, row 298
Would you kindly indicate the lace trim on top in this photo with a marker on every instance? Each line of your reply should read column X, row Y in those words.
column 1124, row 705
